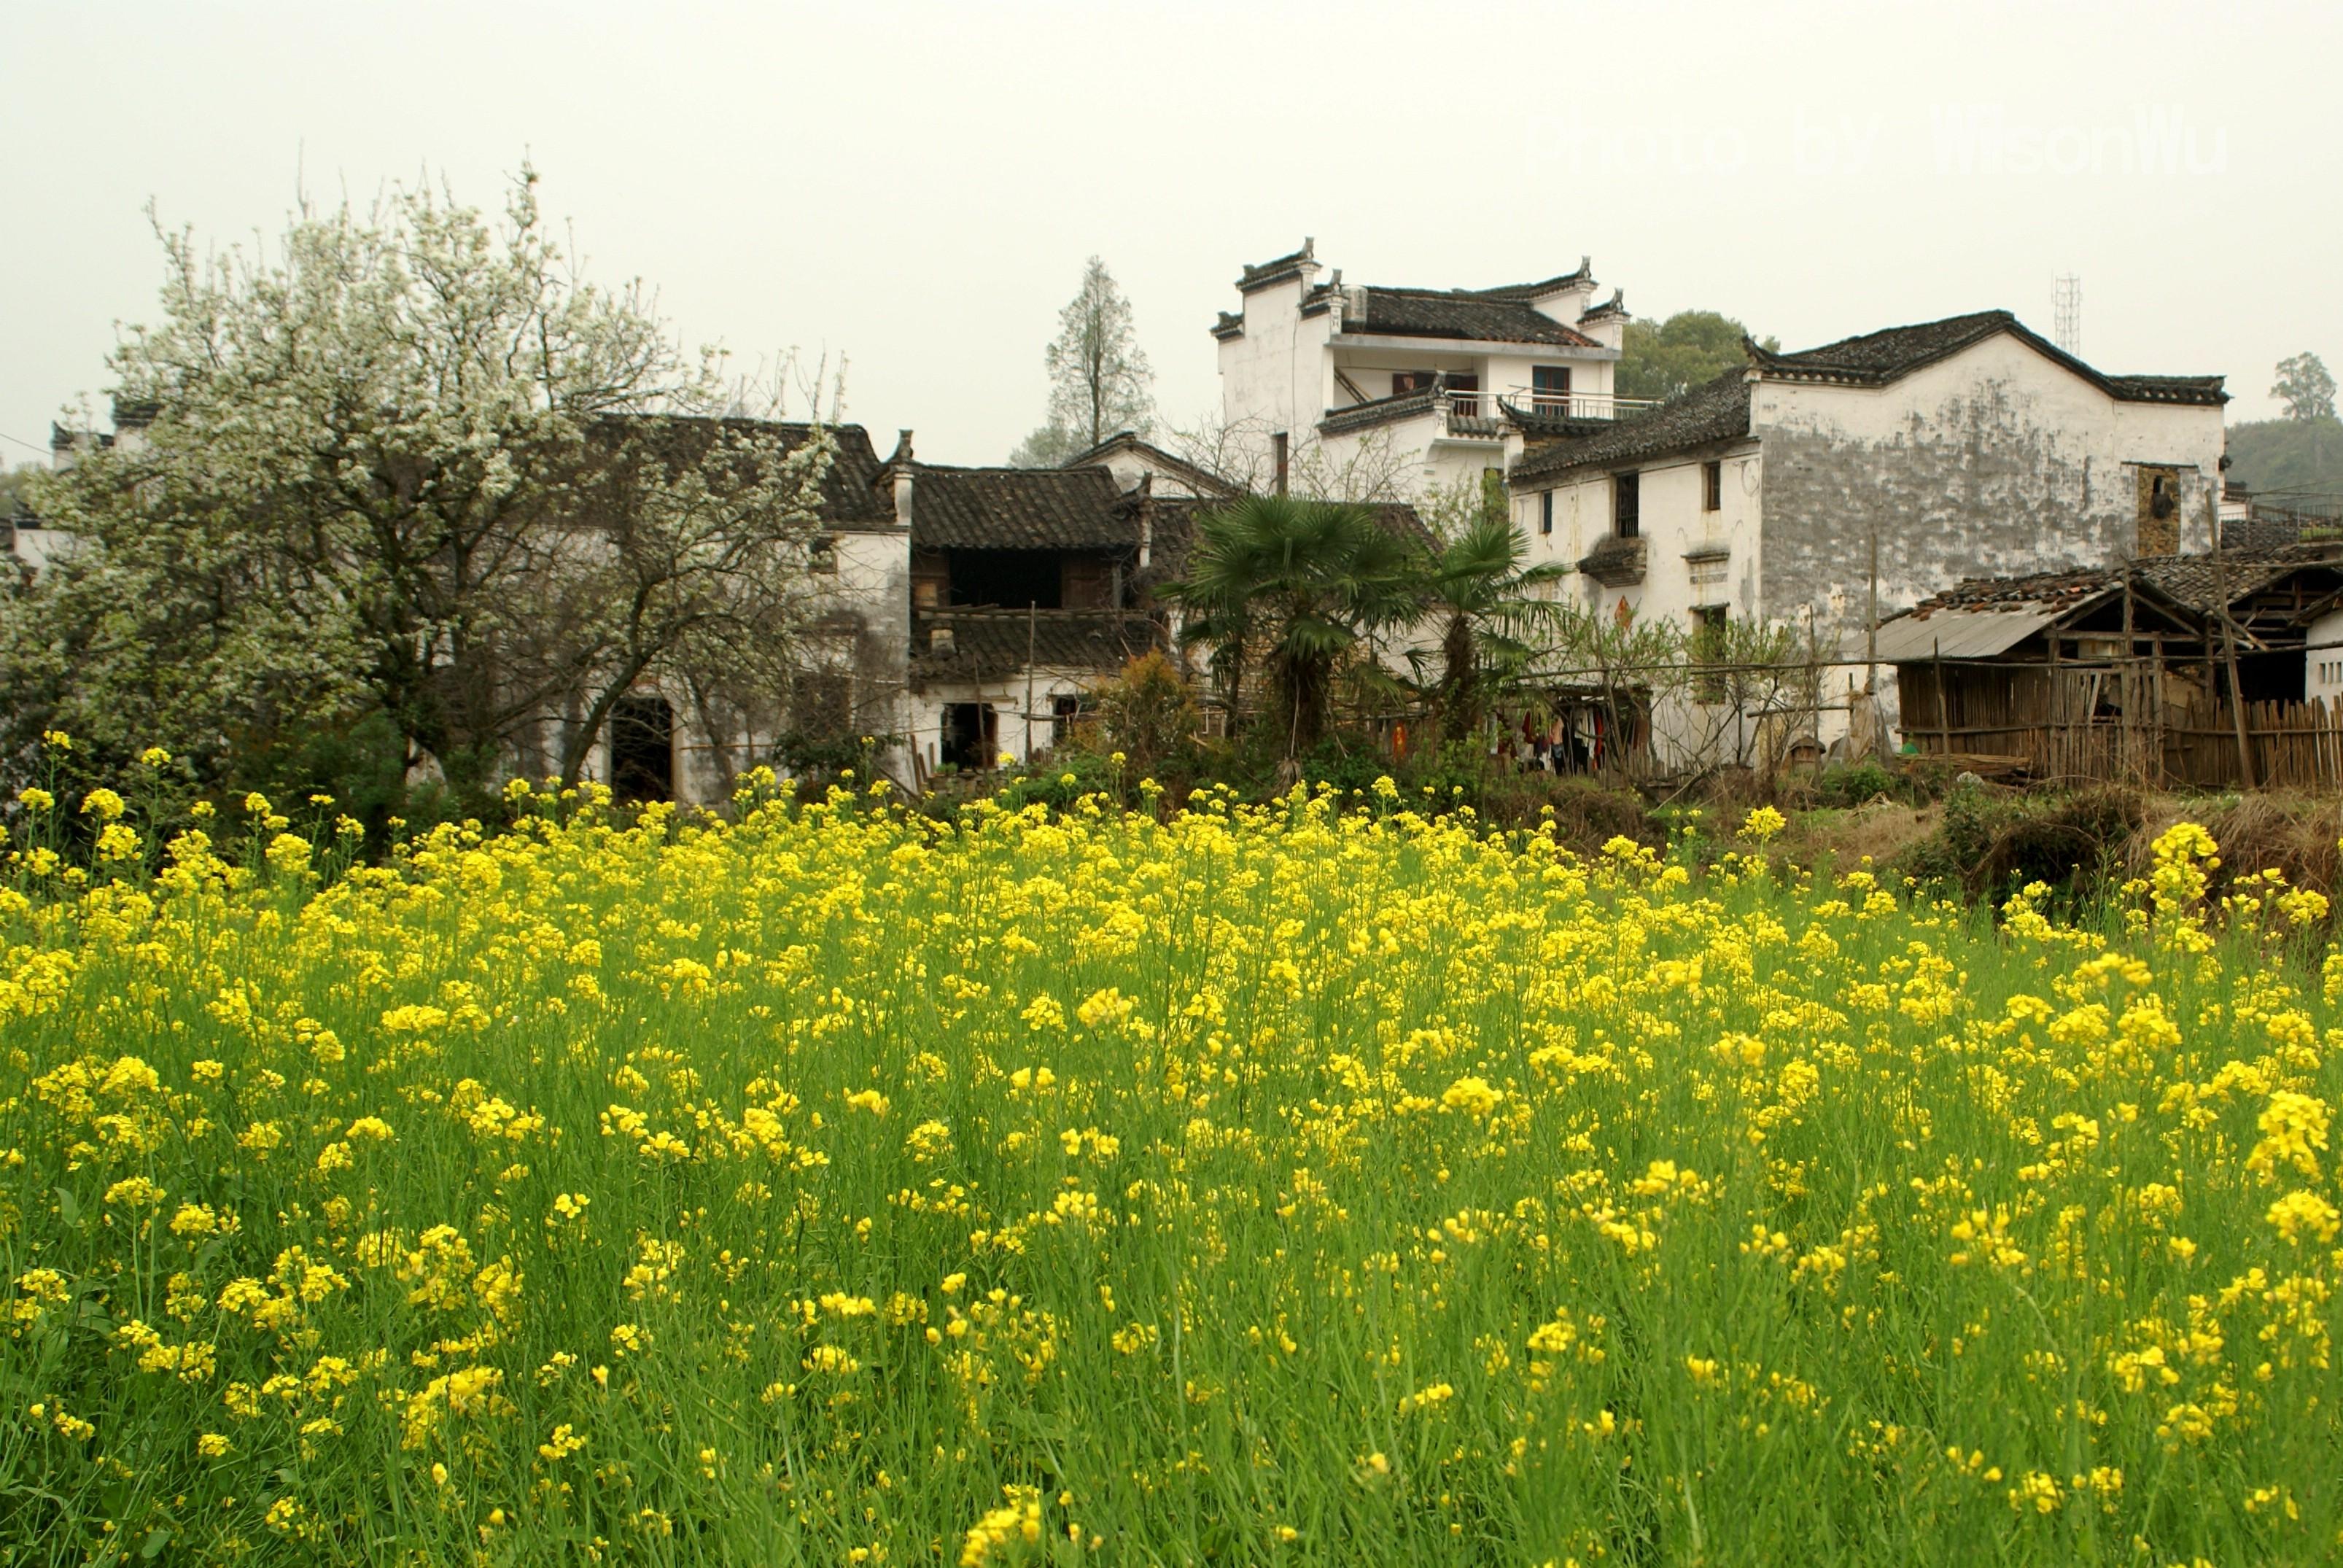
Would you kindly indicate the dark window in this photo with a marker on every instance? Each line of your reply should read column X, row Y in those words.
column 968, row 737
column 1550, row 388
column 1711, row 482
column 1708, row 648
column 1010, row 580
column 1545, row 511
column 2159, row 511
column 1626, row 503
column 1463, row 395
column 642, row 748
column 1065, row 712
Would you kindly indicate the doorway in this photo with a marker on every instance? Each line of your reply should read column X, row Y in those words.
column 970, row 738
column 642, row 748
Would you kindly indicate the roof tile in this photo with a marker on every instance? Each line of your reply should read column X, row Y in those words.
column 1019, row 509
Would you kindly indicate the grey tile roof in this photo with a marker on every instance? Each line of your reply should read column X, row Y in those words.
column 849, row 498
column 1875, row 359
column 1719, row 410
column 1614, row 305
column 1019, row 509
column 1484, row 316
column 1277, row 269
column 1155, row 457
column 2197, row 581
column 1713, row 411
column 1584, row 277
column 2056, row 592
column 1376, row 411
column 1983, row 618
column 1955, row 620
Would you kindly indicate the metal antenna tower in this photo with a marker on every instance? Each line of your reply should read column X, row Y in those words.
column 2067, row 306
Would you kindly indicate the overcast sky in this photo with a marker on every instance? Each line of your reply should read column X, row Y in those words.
column 916, row 187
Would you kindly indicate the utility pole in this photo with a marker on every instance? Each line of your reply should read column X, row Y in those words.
column 1871, row 627
column 2230, row 649
column 2130, row 682
column 1032, row 616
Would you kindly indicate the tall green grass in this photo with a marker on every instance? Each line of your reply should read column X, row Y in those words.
column 1262, row 1185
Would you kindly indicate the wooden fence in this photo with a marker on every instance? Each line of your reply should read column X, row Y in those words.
column 2294, row 745
column 2133, row 721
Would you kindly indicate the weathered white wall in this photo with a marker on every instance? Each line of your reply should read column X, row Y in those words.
column 2323, row 659
column 1673, row 523
column 1129, row 467
column 1024, row 733
column 1993, row 463
column 35, row 547
column 1277, row 375
column 871, row 595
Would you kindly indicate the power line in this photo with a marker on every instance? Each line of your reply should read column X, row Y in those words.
column 26, row 445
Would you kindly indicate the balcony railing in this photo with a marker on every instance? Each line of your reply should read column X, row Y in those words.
column 1471, row 414
column 1539, row 403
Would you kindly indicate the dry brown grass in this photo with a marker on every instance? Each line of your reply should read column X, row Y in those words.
column 1881, row 830
column 2295, row 832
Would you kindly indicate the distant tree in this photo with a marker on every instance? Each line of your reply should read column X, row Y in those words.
column 2305, row 387
column 1674, row 355
column 1048, row 447
column 1100, row 382
column 2281, row 457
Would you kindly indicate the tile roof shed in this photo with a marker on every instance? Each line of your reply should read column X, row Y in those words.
column 1019, row 509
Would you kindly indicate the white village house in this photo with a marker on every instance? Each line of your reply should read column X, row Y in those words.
column 1959, row 448
column 1394, row 392
column 967, row 612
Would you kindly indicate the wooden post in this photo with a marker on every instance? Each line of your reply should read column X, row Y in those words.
column 2156, row 712
column 1871, row 624
column 1944, row 707
column 1031, row 637
column 2230, row 648
column 2130, row 739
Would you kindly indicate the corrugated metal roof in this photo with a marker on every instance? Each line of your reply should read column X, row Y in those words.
column 1958, row 633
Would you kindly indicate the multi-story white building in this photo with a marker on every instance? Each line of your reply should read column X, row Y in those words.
column 1389, row 393
column 1967, row 447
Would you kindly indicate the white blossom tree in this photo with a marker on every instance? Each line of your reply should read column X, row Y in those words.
column 414, row 471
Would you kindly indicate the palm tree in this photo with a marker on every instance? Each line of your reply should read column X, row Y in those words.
column 1308, row 581
column 1491, row 605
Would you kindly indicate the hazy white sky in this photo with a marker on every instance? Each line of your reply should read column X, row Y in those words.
column 916, row 187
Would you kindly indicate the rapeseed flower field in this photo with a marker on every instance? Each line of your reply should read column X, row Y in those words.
column 1248, row 1185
